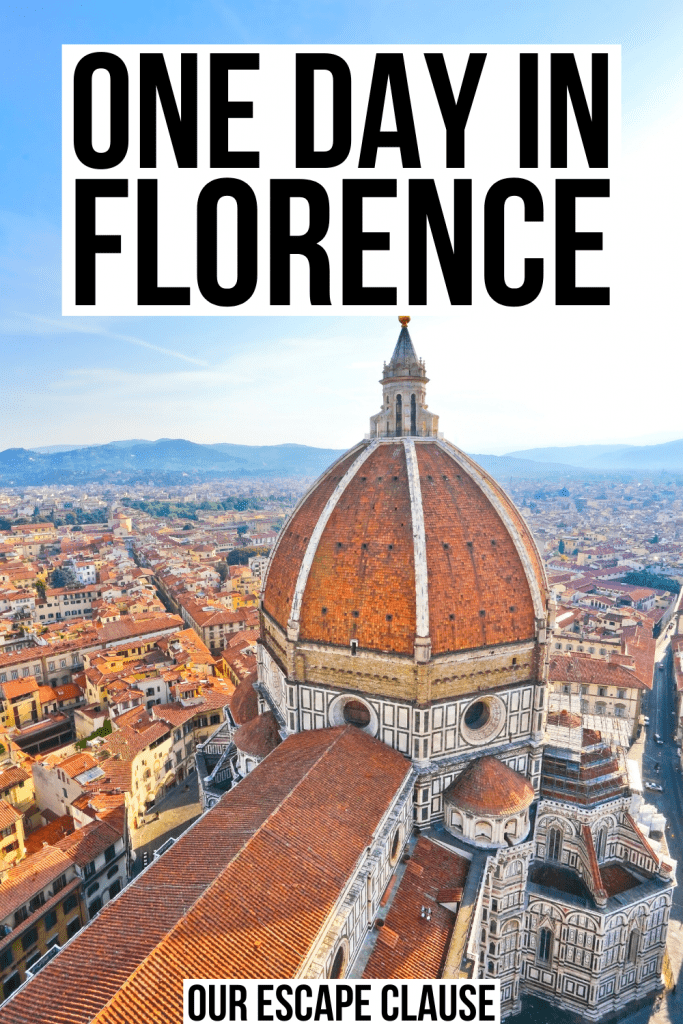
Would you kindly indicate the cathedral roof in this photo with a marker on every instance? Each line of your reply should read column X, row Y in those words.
column 243, row 894
column 489, row 787
column 415, row 522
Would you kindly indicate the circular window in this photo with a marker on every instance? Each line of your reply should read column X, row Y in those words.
column 477, row 715
column 483, row 719
column 356, row 713
column 350, row 709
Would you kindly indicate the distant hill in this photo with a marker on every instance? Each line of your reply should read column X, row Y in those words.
column 648, row 458
column 170, row 458
column 575, row 455
column 503, row 467
column 175, row 460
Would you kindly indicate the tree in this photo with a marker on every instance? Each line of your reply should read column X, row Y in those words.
column 242, row 529
column 40, row 587
column 223, row 571
column 561, row 547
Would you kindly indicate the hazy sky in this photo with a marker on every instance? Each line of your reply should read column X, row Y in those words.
column 500, row 380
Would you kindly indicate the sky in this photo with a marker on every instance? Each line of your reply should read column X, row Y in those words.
column 500, row 379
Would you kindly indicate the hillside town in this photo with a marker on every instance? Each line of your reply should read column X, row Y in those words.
column 129, row 627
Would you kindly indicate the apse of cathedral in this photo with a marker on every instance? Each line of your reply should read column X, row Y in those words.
column 392, row 798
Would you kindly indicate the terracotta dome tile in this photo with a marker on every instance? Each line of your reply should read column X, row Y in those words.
column 259, row 736
column 489, row 787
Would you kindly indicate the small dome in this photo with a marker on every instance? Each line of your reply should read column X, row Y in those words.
column 244, row 704
column 488, row 787
column 259, row 736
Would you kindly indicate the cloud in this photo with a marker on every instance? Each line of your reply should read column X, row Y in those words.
column 31, row 323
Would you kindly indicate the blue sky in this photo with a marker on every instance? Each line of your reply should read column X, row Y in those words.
column 498, row 385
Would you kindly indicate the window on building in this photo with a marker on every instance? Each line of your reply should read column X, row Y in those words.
column 554, row 844
column 72, row 927
column 482, row 830
column 115, row 888
column 601, row 843
column 29, row 938
column 50, row 920
column 632, row 949
column 113, row 871
column 95, row 906
column 110, row 853
column 58, row 884
column 545, row 944
column 12, row 983
column 70, row 903
column 37, row 902
column 20, row 914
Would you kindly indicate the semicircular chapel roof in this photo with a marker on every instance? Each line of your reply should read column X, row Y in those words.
column 489, row 787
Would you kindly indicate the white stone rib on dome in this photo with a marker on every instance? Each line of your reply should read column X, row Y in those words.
column 323, row 520
column 419, row 541
column 302, row 500
column 481, row 481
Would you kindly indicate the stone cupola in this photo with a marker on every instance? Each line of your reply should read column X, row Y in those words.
column 404, row 409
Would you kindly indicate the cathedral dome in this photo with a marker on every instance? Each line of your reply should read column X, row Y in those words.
column 405, row 545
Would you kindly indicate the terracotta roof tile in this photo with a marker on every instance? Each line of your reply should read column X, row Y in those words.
column 19, row 687
column 181, row 917
column 8, row 815
column 421, row 945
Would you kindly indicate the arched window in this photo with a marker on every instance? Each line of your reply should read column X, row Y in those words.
column 339, row 962
column 511, row 827
column 632, row 949
column 482, row 830
column 399, row 416
column 413, row 415
column 554, row 844
column 545, row 945
column 601, row 843
column 456, row 821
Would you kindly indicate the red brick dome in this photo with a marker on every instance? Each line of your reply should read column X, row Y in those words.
column 406, row 538
column 489, row 787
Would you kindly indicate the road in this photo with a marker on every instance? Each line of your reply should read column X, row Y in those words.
column 660, row 706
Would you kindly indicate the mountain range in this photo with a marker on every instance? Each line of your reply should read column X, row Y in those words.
column 140, row 461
